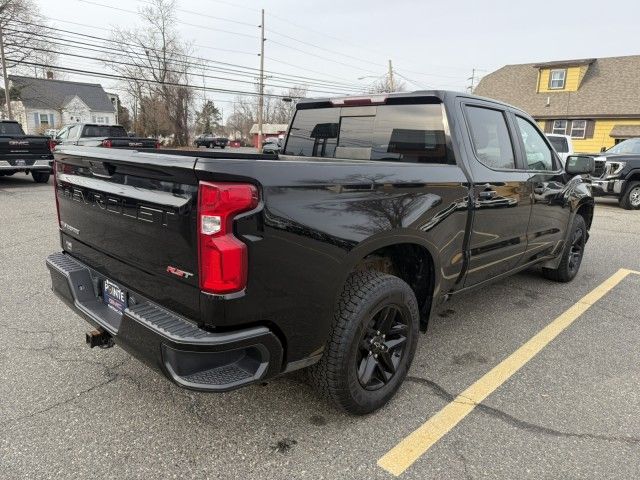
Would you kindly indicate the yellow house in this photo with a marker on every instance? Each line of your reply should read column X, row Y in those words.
column 596, row 100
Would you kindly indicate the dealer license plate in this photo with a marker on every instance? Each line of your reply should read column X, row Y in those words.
column 114, row 296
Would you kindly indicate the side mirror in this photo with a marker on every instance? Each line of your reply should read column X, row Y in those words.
column 603, row 149
column 580, row 164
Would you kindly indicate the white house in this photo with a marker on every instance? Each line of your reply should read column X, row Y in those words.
column 46, row 103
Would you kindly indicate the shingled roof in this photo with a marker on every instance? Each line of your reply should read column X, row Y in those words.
column 54, row 94
column 610, row 88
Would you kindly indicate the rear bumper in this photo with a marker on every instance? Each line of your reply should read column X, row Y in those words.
column 190, row 356
column 15, row 165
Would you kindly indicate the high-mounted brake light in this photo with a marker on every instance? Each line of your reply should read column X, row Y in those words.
column 356, row 101
column 222, row 258
column 106, row 143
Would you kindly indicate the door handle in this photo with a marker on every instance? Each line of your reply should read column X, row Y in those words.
column 487, row 194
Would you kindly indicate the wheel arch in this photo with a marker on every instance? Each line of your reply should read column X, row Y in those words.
column 408, row 256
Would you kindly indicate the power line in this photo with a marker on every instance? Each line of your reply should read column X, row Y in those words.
column 111, row 7
column 116, row 62
column 253, row 70
column 231, row 33
column 144, row 80
column 311, row 86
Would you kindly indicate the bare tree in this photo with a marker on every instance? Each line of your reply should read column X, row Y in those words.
column 22, row 42
column 157, row 70
column 384, row 85
column 276, row 110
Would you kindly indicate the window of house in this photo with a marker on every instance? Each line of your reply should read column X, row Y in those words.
column 557, row 79
column 560, row 127
column 578, row 128
column 44, row 119
column 491, row 140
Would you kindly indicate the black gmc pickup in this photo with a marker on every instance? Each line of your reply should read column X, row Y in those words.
column 617, row 173
column 24, row 153
column 224, row 270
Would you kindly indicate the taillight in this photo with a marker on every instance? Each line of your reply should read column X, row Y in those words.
column 106, row 143
column 52, row 145
column 223, row 258
column 157, row 144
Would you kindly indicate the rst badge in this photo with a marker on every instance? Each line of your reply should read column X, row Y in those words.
column 178, row 273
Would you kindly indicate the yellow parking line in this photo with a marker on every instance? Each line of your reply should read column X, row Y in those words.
column 405, row 453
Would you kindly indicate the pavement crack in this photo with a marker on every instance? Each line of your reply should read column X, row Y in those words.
column 111, row 375
column 519, row 423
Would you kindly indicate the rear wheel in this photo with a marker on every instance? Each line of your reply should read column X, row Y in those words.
column 40, row 177
column 630, row 199
column 372, row 344
column 572, row 254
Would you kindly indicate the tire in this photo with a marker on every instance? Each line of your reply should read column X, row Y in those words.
column 630, row 199
column 356, row 370
column 222, row 147
column 572, row 254
column 40, row 177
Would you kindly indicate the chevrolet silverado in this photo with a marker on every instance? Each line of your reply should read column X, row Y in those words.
column 223, row 270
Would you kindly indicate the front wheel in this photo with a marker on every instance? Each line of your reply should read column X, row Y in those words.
column 630, row 198
column 372, row 343
column 40, row 177
column 572, row 254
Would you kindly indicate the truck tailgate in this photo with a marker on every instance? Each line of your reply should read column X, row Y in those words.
column 133, row 220
column 24, row 145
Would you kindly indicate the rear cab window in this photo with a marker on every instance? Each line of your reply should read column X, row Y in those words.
column 10, row 128
column 559, row 143
column 103, row 131
column 413, row 132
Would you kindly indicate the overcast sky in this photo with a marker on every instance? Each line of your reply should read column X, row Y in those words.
column 432, row 44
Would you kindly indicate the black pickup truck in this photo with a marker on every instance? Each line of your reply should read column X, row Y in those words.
column 24, row 153
column 95, row 135
column 224, row 270
column 617, row 173
column 210, row 140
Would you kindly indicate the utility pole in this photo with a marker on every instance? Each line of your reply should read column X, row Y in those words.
column 4, row 76
column 392, row 83
column 473, row 79
column 261, row 97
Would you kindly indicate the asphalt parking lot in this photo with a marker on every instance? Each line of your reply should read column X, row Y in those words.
column 571, row 411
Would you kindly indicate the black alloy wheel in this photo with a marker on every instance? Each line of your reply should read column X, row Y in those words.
column 576, row 250
column 381, row 348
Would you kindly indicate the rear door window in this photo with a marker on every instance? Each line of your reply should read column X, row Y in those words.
column 490, row 136
column 404, row 133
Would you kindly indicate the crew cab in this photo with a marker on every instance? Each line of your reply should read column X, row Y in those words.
column 30, row 154
column 210, row 140
column 222, row 270
column 617, row 173
column 97, row 135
